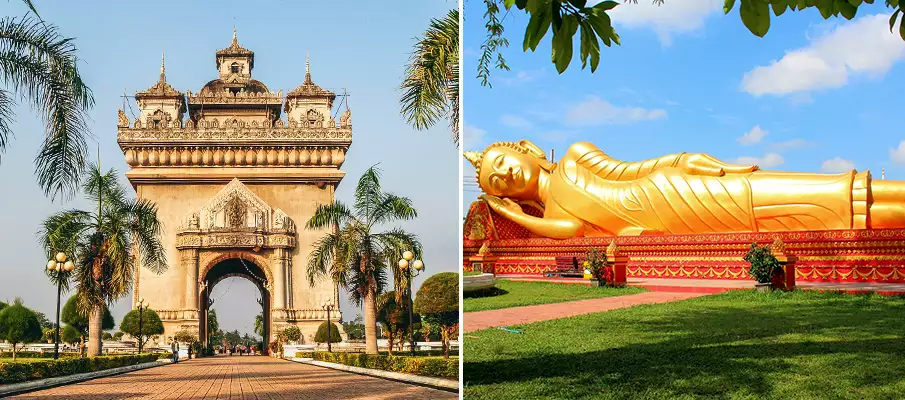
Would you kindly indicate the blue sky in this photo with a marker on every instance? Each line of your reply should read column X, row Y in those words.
column 812, row 95
column 362, row 48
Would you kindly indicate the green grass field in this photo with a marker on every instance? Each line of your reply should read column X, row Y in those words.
column 513, row 294
column 735, row 345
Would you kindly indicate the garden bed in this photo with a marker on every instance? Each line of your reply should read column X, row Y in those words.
column 418, row 365
column 35, row 368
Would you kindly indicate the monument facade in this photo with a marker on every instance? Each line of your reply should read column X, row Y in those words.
column 234, row 184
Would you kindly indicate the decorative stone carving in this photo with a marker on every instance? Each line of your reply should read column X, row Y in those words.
column 123, row 120
column 345, row 120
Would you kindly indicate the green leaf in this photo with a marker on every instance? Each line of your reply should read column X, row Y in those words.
column 727, row 6
column 521, row 4
column 562, row 42
column 585, row 43
column 779, row 6
column 606, row 5
column 847, row 10
column 825, row 7
column 593, row 46
column 756, row 16
column 508, row 3
column 537, row 28
column 892, row 19
column 602, row 25
column 856, row 3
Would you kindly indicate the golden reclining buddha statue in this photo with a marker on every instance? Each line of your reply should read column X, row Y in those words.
column 589, row 193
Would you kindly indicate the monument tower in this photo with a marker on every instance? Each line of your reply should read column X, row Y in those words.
column 234, row 184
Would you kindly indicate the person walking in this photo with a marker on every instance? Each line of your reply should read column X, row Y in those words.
column 173, row 350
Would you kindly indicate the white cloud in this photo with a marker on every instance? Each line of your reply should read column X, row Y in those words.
column 897, row 155
column 754, row 136
column 673, row 17
column 837, row 165
column 514, row 121
column 769, row 160
column 596, row 111
column 860, row 47
column 472, row 137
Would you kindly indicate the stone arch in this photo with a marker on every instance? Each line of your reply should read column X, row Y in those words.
column 259, row 260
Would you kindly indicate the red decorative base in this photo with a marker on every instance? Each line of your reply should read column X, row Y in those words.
column 862, row 255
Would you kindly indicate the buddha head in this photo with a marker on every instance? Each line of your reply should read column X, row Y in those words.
column 510, row 169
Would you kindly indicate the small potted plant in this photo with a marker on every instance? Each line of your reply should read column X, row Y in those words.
column 764, row 267
column 595, row 266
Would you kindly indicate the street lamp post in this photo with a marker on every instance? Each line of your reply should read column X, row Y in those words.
column 61, row 267
column 141, row 305
column 328, row 305
column 418, row 266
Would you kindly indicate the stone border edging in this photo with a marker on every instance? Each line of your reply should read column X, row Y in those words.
column 40, row 384
column 437, row 383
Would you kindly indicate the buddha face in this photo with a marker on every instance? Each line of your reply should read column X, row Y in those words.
column 506, row 172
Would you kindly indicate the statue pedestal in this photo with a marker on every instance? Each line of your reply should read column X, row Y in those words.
column 618, row 260
column 482, row 263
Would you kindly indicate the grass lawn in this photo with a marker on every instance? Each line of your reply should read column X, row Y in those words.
column 735, row 345
column 513, row 294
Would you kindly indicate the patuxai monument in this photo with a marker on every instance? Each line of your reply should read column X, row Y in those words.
column 235, row 182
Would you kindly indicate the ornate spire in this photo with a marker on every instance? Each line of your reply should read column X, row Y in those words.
column 163, row 70
column 307, row 69
column 235, row 37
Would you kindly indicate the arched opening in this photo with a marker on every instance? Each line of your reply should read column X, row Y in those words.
column 228, row 268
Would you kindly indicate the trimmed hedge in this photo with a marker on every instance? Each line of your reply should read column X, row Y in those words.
column 11, row 372
column 35, row 354
column 424, row 366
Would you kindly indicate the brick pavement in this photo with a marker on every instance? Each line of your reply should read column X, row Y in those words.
column 477, row 320
column 239, row 377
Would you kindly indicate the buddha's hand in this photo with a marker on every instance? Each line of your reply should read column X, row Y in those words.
column 502, row 206
column 703, row 164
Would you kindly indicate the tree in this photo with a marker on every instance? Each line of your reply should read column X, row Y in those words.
column 71, row 335
column 292, row 333
column 72, row 316
column 438, row 303
column 118, row 335
column 185, row 337
column 566, row 18
column 259, row 324
column 150, row 324
column 431, row 84
column 321, row 335
column 214, row 334
column 103, row 243
column 40, row 67
column 353, row 254
column 18, row 324
column 355, row 329
column 107, row 336
column 43, row 321
column 393, row 314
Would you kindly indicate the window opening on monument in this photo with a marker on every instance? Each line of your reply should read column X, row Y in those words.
column 234, row 68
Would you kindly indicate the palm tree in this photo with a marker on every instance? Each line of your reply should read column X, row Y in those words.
column 354, row 255
column 259, row 324
column 104, row 244
column 38, row 66
column 431, row 84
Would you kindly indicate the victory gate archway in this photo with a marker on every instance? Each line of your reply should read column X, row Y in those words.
column 235, row 265
column 232, row 179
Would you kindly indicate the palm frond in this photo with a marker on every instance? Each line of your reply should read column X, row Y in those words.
column 393, row 208
column 329, row 216
column 145, row 230
column 368, row 195
column 6, row 117
column 40, row 65
column 429, row 74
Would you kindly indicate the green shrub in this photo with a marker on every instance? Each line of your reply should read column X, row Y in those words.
column 438, row 302
column 424, row 366
column 150, row 324
column 292, row 333
column 763, row 265
column 18, row 325
column 11, row 372
column 36, row 354
column 321, row 335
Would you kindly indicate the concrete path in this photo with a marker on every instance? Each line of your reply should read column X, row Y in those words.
column 478, row 320
column 239, row 377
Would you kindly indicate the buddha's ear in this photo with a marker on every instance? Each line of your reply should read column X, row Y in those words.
column 532, row 148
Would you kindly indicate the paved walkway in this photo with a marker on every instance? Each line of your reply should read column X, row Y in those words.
column 239, row 377
column 523, row 315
